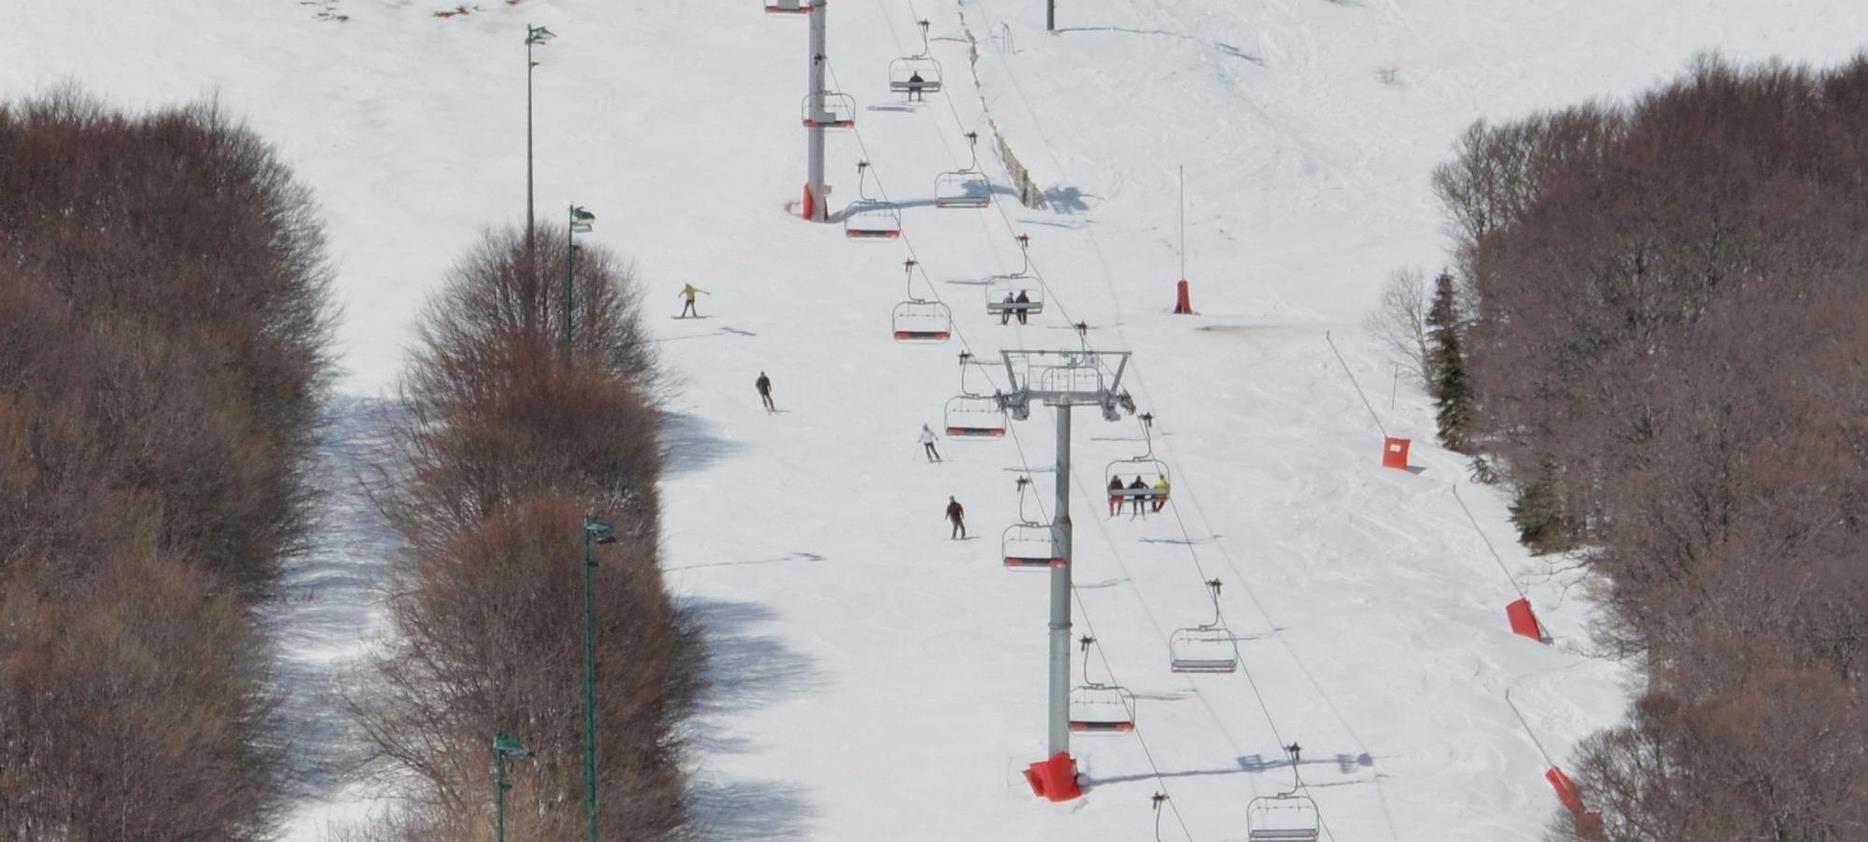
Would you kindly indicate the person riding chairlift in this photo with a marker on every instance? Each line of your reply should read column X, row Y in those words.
column 1136, row 501
column 1160, row 495
column 1115, row 496
column 915, row 84
column 1024, row 312
column 1005, row 313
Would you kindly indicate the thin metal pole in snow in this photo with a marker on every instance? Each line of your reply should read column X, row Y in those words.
column 1050, row 15
column 1060, row 593
column 814, row 155
column 1488, row 545
column 1352, row 381
column 1527, row 729
column 1183, row 222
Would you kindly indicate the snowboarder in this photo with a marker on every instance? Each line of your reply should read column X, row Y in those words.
column 1115, row 496
column 1139, row 488
column 1160, row 493
column 1024, row 310
column 1005, row 313
column 927, row 444
column 764, row 385
column 915, row 84
column 688, row 292
column 957, row 514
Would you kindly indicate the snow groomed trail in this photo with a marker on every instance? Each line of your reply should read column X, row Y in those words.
column 870, row 676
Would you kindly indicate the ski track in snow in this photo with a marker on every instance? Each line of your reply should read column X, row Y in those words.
column 870, row 677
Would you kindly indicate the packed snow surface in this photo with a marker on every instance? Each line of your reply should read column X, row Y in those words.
column 870, row 676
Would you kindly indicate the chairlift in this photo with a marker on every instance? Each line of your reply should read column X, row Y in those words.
column 870, row 219
column 974, row 416
column 829, row 110
column 1282, row 818
column 1287, row 816
column 1152, row 472
column 914, row 74
column 966, row 187
column 789, row 7
column 1098, row 708
column 1206, row 648
column 1011, row 300
column 919, row 320
column 1029, row 543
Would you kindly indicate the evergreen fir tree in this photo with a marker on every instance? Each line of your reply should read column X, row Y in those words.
column 1539, row 520
column 1451, row 388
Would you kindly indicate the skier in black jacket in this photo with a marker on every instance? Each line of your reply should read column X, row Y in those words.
column 957, row 514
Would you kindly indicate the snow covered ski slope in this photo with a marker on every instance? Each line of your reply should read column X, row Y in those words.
column 871, row 676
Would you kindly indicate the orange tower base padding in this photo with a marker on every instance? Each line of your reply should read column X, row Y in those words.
column 1054, row 779
column 1394, row 452
column 1183, row 305
column 1524, row 623
column 810, row 203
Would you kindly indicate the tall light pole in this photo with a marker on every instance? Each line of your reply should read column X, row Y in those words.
column 504, row 746
column 578, row 223
column 596, row 531
column 534, row 35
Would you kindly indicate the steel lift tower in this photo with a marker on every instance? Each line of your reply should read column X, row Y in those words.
column 1062, row 380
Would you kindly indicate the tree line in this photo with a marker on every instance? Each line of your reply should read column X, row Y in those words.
column 164, row 324
column 506, row 440
column 1655, row 328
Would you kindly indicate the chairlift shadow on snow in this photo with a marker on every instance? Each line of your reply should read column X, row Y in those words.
column 1065, row 200
column 1344, row 763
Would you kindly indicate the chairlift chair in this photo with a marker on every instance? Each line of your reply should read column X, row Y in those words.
column 1287, row 817
column 831, row 110
column 1098, row 708
column 1205, row 648
column 789, row 7
column 1153, row 472
column 918, row 320
column 902, row 73
column 1029, row 545
column 966, row 187
column 870, row 219
column 974, row 416
column 998, row 291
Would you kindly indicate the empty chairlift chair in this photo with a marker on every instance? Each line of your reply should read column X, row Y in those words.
column 966, row 187
column 1282, row 818
column 1098, row 708
column 919, row 320
column 870, row 219
column 974, row 416
column 1205, row 648
column 1028, row 543
column 1287, row 816
column 831, row 110
column 788, row 7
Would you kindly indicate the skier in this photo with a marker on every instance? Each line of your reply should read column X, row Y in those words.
column 1137, row 500
column 688, row 292
column 1024, row 312
column 915, row 84
column 1005, row 313
column 1115, row 496
column 1160, row 495
column 957, row 514
column 764, row 385
column 927, row 444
